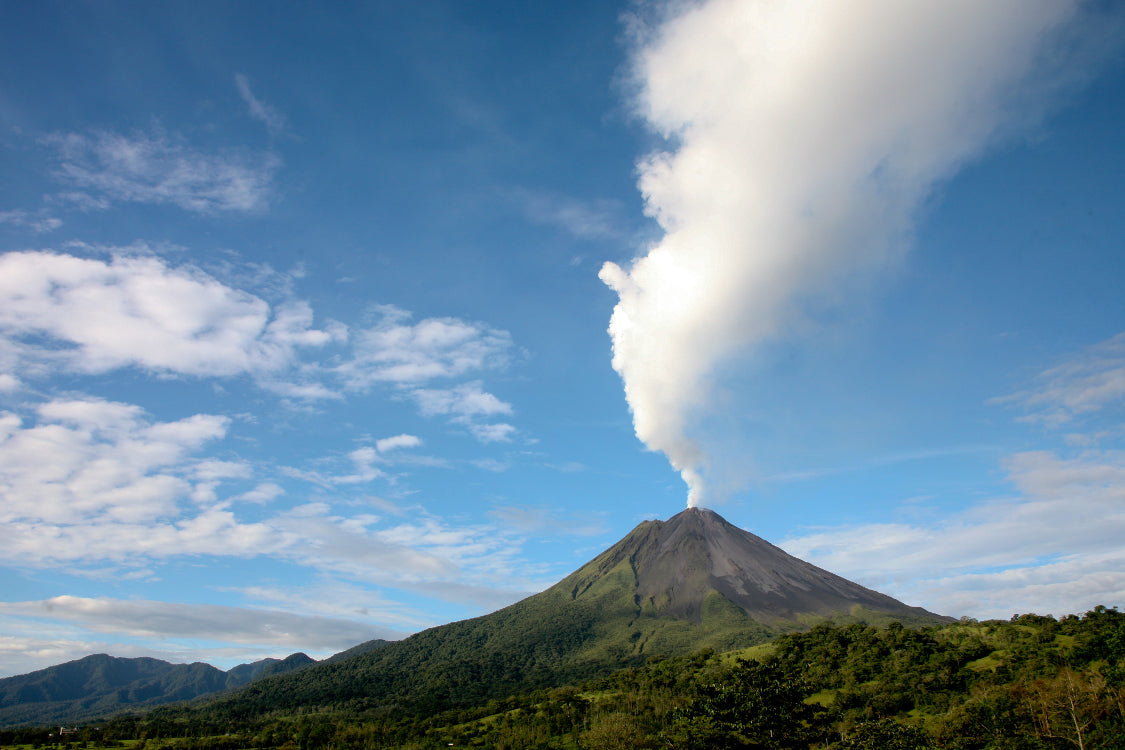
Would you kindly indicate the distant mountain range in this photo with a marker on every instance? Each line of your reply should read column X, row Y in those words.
column 102, row 685
column 668, row 588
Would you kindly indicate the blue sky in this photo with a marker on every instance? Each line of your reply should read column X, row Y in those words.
column 335, row 323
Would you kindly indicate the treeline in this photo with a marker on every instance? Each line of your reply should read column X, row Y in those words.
column 1029, row 683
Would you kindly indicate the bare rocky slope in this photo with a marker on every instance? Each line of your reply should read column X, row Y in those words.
column 680, row 562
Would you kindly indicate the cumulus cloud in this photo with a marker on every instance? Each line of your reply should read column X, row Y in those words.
column 466, row 404
column 467, row 401
column 159, row 169
column 92, row 460
column 136, row 310
column 802, row 138
column 1065, row 523
column 60, row 311
column 397, row 351
column 91, row 482
column 397, row 442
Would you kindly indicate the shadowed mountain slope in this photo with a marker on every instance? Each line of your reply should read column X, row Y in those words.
column 100, row 685
column 667, row 588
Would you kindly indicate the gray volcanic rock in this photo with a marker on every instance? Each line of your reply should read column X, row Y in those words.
column 678, row 563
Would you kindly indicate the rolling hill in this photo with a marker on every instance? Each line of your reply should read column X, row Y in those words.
column 101, row 685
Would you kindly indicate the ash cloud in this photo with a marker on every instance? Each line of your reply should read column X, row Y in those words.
column 801, row 139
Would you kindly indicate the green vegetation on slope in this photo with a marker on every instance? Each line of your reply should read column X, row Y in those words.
column 101, row 685
column 1029, row 683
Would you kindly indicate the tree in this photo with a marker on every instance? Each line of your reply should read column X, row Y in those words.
column 886, row 734
column 753, row 705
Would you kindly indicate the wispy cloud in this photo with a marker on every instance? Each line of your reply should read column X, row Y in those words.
column 206, row 621
column 529, row 519
column 587, row 220
column 259, row 110
column 157, row 168
column 165, row 627
column 988, row 559
column 1083, row 384
column 37, row 222
column 495, row 432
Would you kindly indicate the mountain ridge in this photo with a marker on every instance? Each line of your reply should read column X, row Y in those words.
column 100, row 685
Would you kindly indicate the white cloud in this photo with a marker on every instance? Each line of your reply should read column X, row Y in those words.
column 9, row 383
column 35, row 222
column 136, row 310
column 527, row 519
column 361, row 463
column 164, row 624
column 263, row 493
column 802, row 139
column 465, row 405
column 397, row 442
column 156, row 168
column 395, row 351
column 500, row 432
column 99, row 488
column 91, row 481
column 587, row 220
column 95, row 461
column 92, row 315
column 1072, row 585
column 259, row 110
column 364, row 460
column 1004, row 556
column 1082, row 385
column 97, row 480
column 491, row 464
column 466, row 401
column 209, row 470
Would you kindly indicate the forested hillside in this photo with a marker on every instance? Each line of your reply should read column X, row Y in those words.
column 100, row 685
column 1028, row 683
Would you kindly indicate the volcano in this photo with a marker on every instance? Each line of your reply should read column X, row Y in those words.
column 668, row 588
column 681, row 564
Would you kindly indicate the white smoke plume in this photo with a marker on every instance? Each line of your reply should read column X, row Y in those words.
column 802, row 137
